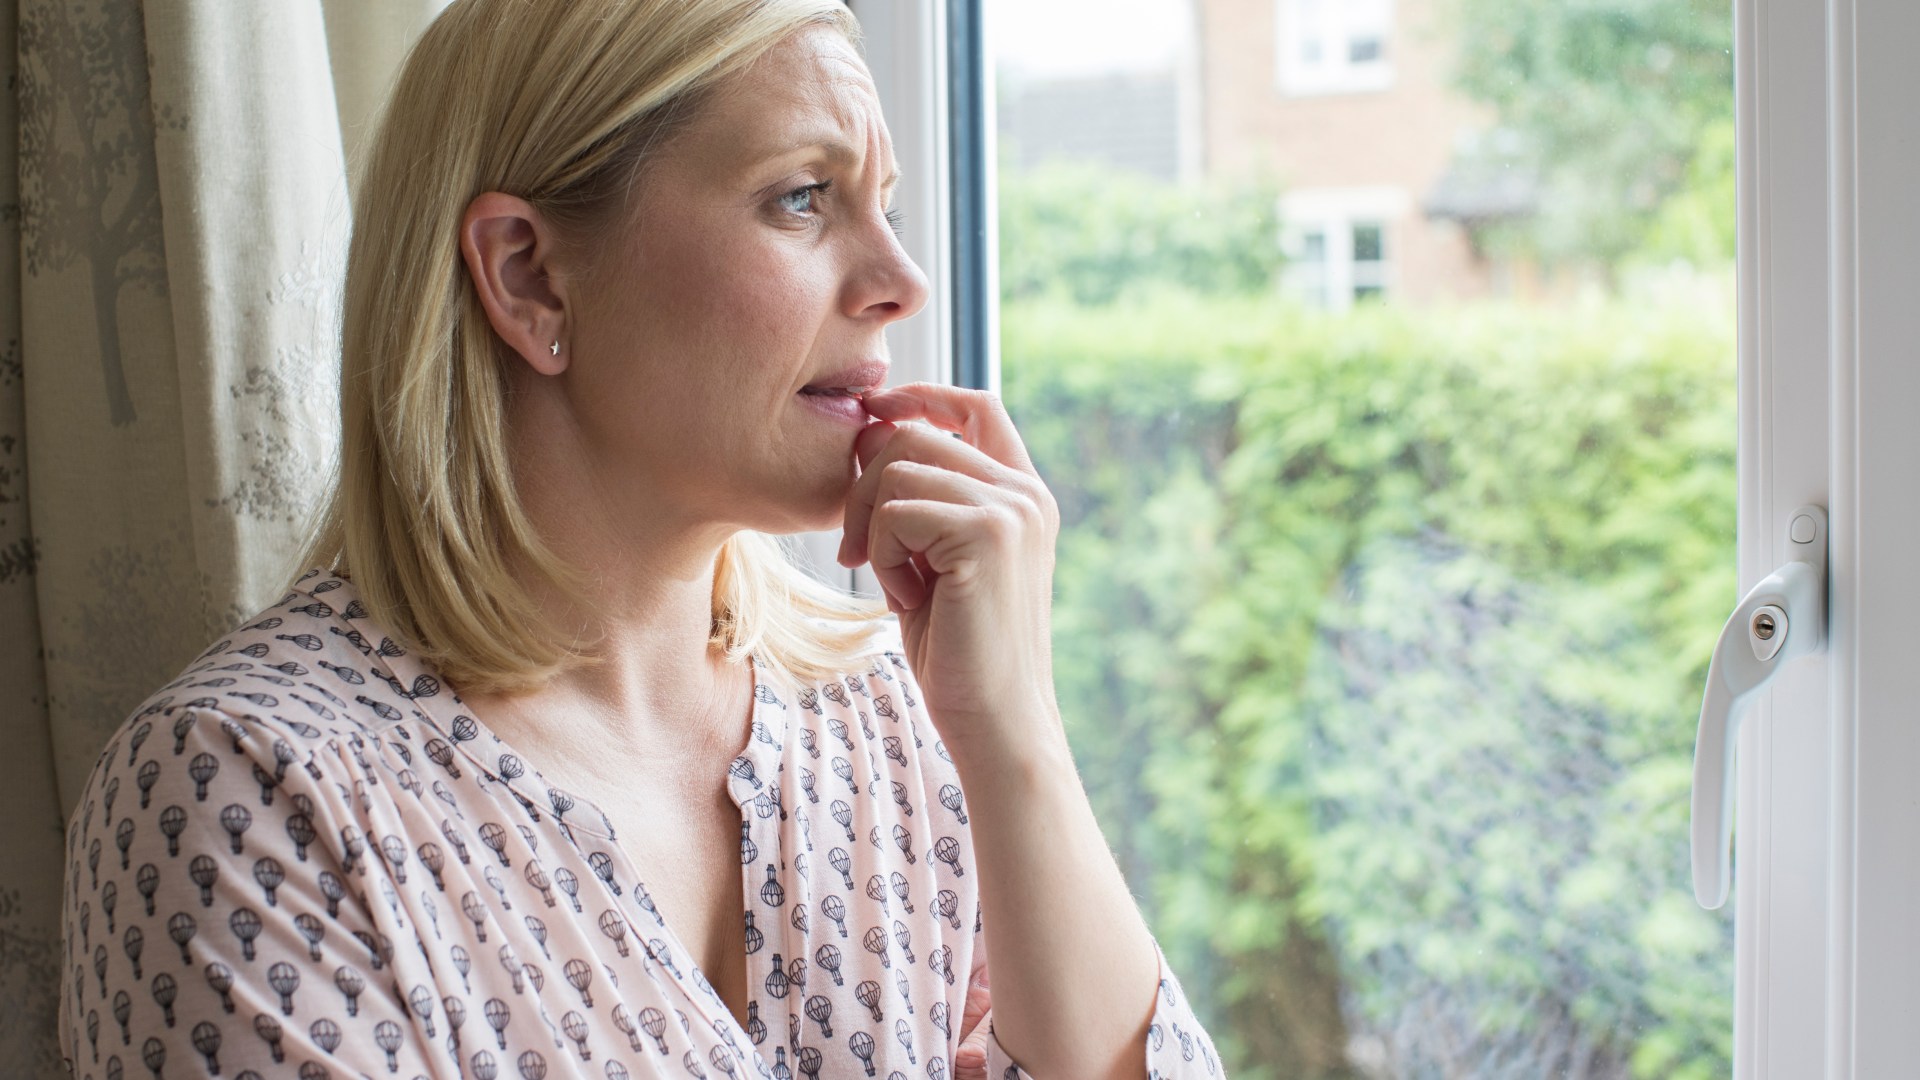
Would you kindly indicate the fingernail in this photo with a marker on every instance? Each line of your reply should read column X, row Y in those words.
column 980, row 979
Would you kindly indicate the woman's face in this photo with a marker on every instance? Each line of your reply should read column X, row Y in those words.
column 759, row 261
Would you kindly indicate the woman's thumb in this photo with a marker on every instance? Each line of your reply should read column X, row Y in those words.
column 970, row 1060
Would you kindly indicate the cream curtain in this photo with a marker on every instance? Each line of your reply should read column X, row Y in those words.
column 177, row 199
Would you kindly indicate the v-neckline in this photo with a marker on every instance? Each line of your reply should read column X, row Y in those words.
column 748, row 772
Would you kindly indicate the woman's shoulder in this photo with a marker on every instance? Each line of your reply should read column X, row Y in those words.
column 877, row 661
column 871, row 692
column 309, row 666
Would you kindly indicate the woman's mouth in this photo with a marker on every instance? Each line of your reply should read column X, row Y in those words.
column 840, row 403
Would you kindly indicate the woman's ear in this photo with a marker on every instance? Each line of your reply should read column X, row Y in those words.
column 508, row 248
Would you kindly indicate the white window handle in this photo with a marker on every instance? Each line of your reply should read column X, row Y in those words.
column 1782, row 617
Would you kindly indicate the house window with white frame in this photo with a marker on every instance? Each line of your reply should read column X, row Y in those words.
column 1338, row 244
column 1334, row 46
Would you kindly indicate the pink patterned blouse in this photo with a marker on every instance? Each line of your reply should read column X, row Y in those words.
column 302, row 858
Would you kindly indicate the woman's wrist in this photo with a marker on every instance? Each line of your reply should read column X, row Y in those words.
column 1073, row 961
column 1019, row 749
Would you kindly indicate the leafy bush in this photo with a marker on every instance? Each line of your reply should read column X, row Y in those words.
column 1380, row 639
column 1095, row 233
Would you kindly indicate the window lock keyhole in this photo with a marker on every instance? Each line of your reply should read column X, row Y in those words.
column 1767, row 632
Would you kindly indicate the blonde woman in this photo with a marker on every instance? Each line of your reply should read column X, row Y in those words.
column 551, row 763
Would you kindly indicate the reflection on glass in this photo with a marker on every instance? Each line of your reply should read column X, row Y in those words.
column 1389, row 404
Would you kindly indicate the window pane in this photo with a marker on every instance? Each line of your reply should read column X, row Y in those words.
column 1311, row 22
column 1366, row 243
column 1313, row 247
column 1392, row 425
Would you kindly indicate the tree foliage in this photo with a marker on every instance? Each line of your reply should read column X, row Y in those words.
column 1616, row 102
column 1379, row 637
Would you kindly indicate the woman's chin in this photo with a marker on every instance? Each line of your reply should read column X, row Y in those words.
column 824, row 506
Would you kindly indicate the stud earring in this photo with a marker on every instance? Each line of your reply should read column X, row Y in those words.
column 556, row 348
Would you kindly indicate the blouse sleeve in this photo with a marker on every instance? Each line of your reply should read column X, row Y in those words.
column 1178, row 1048
column 215, row 913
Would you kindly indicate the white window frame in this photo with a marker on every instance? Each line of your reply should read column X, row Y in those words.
column 1827, row 968
column 1874, row 972
column 1336, row 74
column 1334, row 212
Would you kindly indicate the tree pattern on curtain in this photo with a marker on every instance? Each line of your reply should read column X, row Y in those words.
column 89, row 182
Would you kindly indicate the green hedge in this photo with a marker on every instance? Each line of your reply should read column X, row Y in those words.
column 1094, row 233
column 1381, row 639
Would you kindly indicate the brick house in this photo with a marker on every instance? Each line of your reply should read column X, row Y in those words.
column 1347, row 104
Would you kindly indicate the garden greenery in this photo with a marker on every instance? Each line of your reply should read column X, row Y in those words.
column 1380, row 637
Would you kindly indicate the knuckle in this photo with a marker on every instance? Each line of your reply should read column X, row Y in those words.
column 1005, row 522
column 989, row 411
column 1049, row 508
column 909, row 438
column 893, row 472
column 886, row 516
column 1026, row 485
column 1030, row 504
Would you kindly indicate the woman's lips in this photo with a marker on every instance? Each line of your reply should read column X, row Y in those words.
column 843, row 407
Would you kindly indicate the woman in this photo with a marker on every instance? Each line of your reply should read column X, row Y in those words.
column 491, row 789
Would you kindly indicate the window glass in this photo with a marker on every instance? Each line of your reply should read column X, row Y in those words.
column 1368, row 24
column 1392, row 425
column 1313, row 247
column 1326, row 47
column 1311, row 32
column 1366, row 243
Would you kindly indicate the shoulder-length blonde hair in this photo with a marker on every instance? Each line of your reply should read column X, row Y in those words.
column 558, row 104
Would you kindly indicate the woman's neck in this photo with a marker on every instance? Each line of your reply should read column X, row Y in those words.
column 646, row 615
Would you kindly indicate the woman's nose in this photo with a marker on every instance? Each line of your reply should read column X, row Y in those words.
column 888, row 285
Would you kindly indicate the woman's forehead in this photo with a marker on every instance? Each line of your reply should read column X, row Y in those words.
column 811, row 91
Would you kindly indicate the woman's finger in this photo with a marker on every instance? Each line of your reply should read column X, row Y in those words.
column 905, row 478
column 945, row 533
column 881, row 443
column 979, row 1000
column 924, row 442
column 970, row 1057
column 871, row 440
column 977, row 415
column 970, row 1060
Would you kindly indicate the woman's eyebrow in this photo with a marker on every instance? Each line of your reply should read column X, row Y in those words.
column 834, row 150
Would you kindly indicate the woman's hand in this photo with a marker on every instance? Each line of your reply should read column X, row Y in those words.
column 960, row 534
column 970, row 1060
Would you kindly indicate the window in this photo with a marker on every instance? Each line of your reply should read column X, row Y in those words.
column 1369, row 259
column 1338, row 244
column 1308, row 273
column 1204, row 805
column 1376, row 625
column 1333, row 46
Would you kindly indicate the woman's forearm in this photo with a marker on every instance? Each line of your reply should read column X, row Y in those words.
column 1073, row 966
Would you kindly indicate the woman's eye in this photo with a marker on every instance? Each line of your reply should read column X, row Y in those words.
column 800, row 200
